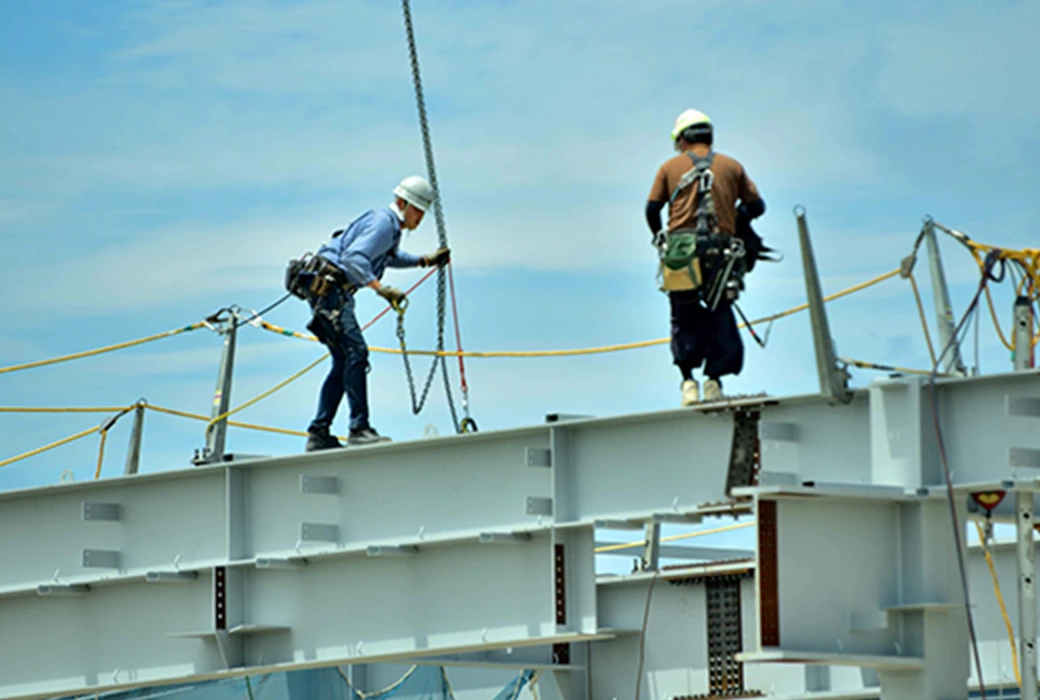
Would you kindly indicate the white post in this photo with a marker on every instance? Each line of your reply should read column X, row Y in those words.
column 1026, row 593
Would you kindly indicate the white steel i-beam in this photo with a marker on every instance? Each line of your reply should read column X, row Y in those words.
column 467, row 542
column 891, row 599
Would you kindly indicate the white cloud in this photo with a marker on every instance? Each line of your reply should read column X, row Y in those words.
column 311, row 47
column 547, row 133
column 341, row 84
column 541, row 169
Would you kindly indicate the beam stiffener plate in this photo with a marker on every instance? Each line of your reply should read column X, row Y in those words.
column 444, row 598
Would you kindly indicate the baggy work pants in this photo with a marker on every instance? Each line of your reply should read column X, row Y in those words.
column 336, row 326
column 703, row 336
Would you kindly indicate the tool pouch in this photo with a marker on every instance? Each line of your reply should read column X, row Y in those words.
column 680, row 264
column 311, row 276
column 298, row 276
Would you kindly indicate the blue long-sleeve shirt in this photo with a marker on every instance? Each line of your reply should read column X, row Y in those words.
column 368, row 246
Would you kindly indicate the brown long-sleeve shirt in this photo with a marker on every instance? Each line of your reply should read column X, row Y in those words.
column 731, row 185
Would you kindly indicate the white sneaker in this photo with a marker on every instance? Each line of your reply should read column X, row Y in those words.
column 712, row 390
column 690, row 392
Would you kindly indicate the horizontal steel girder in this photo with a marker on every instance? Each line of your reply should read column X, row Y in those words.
column 495, row 483
column 96, row 574
column 502, row 483
column 447, row 598
column 887, row 437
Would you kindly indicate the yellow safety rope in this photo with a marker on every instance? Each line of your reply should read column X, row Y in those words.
column 586, row 351
column 213, row 421
column 101, row 454
column 63, row 409
column 1000, row 600
column 1030, row 259
column 234, row 423
column 921, row 314
column 116, row 409
column 39, row 450
column 673, row 538
column 996, row 322
column 887, row 368
column 284, row 331
column 99, row 351
column 376, row 693
column 532, row 353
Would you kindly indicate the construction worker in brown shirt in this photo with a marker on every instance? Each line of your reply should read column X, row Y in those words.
column 700, row 335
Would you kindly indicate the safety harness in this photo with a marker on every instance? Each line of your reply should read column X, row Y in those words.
column 705, row 259
column 705, row 219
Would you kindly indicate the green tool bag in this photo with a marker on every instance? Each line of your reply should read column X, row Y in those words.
column 680, row 265
column 680, row 249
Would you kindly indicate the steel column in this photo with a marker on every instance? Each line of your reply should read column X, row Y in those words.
column 1023, row 334
column 133, row 453
column 216, row 434
column 1026, row 594
column 651, row 560
column 833, row 379
column 943, row 308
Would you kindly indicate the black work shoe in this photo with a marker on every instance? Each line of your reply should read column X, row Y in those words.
column 322, row 440
column 365, row 436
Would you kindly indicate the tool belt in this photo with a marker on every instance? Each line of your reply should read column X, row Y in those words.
column 314, row 276
column 711, row 263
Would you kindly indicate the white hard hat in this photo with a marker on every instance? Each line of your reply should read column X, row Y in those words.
column 691, row 117
column 416, row 191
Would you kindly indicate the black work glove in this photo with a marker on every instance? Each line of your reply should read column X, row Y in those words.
column 441, row 257
column 391, row 294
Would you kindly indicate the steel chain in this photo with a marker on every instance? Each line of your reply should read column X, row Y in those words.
column 442, row 237
column 417, row 405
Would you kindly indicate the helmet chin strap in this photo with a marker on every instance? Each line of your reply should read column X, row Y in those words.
column 408, row 205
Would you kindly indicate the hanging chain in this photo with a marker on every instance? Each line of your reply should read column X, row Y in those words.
column 442, row 238
column 417, row 404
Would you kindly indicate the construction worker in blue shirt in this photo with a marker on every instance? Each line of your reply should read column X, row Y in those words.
column 359, row 255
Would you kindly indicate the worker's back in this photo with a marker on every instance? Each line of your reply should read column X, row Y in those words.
column 731, row 184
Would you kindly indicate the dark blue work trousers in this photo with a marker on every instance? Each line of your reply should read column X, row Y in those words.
column 336, row 326
column 700, row 336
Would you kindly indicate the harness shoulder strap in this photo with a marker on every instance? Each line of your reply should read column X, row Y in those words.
column 701, row 166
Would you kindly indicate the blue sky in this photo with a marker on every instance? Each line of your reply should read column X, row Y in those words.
column 160, row 160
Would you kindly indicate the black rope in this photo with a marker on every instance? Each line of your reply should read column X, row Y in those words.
column 442, row 238
column 987, row 276
column 263, row 311
column 751, row 328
